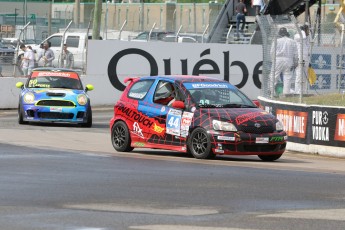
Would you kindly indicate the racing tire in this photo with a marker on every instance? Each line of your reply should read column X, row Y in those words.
column 88, row 123
column 270, row 157
column 199, row 144
column 20, row 115
column 120, row 137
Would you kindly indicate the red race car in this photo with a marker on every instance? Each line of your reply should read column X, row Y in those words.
column 197, row 115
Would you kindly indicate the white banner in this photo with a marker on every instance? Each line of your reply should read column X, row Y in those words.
column 241, row 65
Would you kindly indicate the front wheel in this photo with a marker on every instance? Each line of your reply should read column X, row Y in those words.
column 120, row 137
column 88, row 123
column 199, row 144
column 21, row 116
column 270, row 157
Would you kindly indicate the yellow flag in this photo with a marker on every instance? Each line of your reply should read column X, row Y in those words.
column 311, row 76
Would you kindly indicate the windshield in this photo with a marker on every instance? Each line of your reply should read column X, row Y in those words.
column 65, row 80
column 218, row 95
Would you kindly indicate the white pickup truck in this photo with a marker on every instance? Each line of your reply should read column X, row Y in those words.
column 76, row 43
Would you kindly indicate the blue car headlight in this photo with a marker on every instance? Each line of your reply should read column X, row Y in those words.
column 82, row 99
column 224, row 126
column 279, row 126
column 29, row 97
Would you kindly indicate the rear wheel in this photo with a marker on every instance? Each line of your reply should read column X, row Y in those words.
column 199, row 144
column 120, row 137
column 270, row 157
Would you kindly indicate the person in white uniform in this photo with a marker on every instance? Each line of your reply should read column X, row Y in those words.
column 285, row 54
column 28, row 60
column 302, row 74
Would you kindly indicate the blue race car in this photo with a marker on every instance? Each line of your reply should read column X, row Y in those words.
column 54, row 95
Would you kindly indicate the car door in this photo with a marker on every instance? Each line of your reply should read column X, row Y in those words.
column 167, row 128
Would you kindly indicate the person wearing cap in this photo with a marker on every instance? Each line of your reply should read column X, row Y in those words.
column 46, row 57
column 302, row 45
column 285, row 54
column 28, row 60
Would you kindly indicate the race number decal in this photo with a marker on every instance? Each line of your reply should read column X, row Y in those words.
column 173, row 122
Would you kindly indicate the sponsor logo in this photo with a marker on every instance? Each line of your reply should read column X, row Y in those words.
column 246, row 117
column 157, row 128
column 261, row 140
column 224, row 138
column 219, row 151
column 320, row 132
column 136, row 116
column 295, row 123
column 340, row 128
column 139, row 144
column 137, row 130
column 276, row 139
column 209, row 85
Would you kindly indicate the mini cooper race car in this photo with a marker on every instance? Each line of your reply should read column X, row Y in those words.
column 54, row 95
column 198, row 115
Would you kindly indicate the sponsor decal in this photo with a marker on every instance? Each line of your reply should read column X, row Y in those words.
column 277, row 139
column 157, row 128
column 340, row 128
column 136, row 116
column 246, row 117
column 225, row 138
column 139, row 144
column 163, row 109
column 186, row 121
column 137, row 95
column 261, row 140
column 55, row 109
column 219, row 150
column 295, row 123
column 209, row 85
column 320, row 131
column 137, row 130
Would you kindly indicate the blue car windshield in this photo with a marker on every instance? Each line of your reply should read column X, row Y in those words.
column 54, row 82
column 215, row 95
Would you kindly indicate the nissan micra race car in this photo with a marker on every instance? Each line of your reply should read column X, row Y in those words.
column 54, row 95
column 197, row 115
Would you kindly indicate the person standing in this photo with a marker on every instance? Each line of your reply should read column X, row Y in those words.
column 285, row 54
column 302, row 45
column 240, row 17
column 28, row 60
column 67, row 58
column 256, row 4
column 47, row 55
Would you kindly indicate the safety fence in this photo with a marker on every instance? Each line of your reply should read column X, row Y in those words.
column 295, row 69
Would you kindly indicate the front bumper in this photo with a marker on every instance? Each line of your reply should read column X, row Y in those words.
column 76, row 114
column 240, row 143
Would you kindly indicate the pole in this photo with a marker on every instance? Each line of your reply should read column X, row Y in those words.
column 97, row 19
column 15, row 17
column 76, row 13
column 50, row 18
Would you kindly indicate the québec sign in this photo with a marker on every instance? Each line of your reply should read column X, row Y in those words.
column 238, row 64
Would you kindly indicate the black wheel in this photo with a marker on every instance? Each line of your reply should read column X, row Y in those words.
column 270, row 157
column 120, row 137
column 88, row 123
column 20, row 115
column 199, row 144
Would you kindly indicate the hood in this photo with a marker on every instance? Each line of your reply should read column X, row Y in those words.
column 241, row 116
column 56, row 94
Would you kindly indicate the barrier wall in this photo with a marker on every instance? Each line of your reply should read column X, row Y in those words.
column 310, row 129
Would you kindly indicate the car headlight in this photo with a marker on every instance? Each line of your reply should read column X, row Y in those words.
column 29, row 97
column 279, row 126
column 82, row 99
column 225, row 126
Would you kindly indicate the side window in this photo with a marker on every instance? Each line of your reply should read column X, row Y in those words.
column 72, row 41
column 140, row 89
column 166, row 93
column 55, row 41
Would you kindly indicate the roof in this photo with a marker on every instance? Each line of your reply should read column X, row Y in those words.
column 52, row 69
column 184, row 78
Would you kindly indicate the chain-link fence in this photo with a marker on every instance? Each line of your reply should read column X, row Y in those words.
column 295, row 68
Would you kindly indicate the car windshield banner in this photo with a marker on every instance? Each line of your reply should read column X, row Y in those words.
column 208, row 85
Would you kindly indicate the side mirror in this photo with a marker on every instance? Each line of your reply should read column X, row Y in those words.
column 178, row 105
column 19, row 85
column 257, row 103
column 89, row 87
